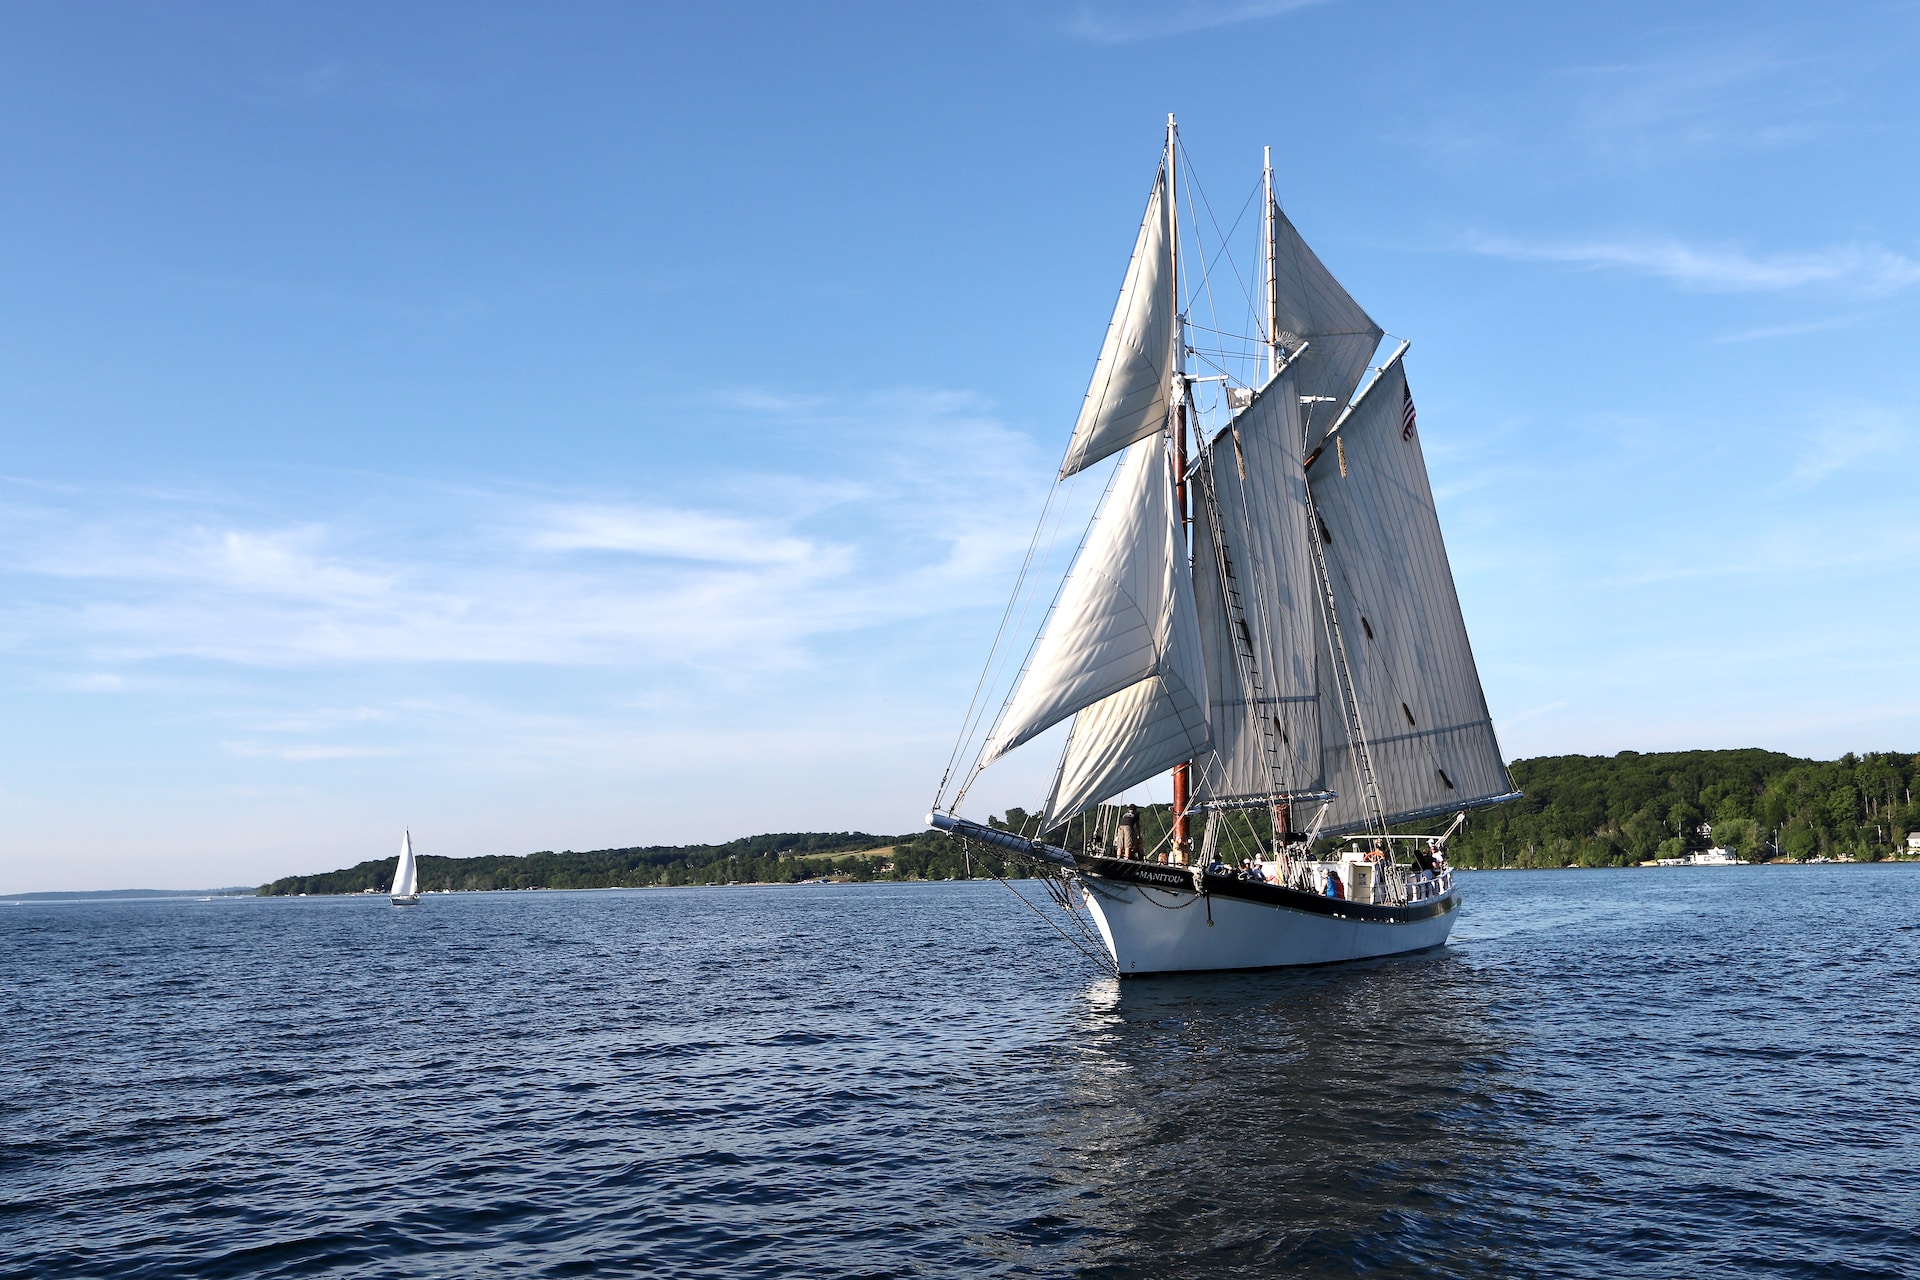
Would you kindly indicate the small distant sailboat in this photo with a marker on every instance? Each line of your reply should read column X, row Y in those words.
column 406, row 876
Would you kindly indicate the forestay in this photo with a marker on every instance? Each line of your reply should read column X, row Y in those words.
column 1314, row 309
column 1421, row 707
column 1127, row 399
column 1253, row 588
column 1125, row 615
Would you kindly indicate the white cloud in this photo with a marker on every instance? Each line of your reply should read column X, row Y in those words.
column 673, row 534
column 1865, row 270
column 927, row 510
column 1125, row 21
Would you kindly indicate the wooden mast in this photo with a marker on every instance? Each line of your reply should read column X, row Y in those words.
column 1182, row 773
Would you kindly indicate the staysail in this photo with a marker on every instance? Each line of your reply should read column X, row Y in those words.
column 406, row 877
column 1125, row 616
column 1252, row 579
column 1127, row 399
column 1313, row 309
column 1143, row 730
column 1422, row 711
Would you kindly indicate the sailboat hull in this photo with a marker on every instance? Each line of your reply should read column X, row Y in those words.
column 1154, row 919
column 411, row 901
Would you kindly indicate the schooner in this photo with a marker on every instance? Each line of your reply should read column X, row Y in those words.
column 1270, row 616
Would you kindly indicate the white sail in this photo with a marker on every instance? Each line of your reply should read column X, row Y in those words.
column 1258, row 615
column 1314, row 309
column 1127, row 399
column 1421, row 706
column 1122, row 613
column 1142, row 731
column 406, row 877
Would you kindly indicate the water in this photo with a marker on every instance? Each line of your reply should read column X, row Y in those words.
column 1651, row 1073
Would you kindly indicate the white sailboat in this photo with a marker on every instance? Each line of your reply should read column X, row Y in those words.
column 406, row 875
column 1275, row 622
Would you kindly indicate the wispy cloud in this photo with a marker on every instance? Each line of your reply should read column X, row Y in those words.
column 1795, row 329
column 1849, row 438
column 1863, row 270
column 1742, row 94
column 1125, row 21
column 773, row 562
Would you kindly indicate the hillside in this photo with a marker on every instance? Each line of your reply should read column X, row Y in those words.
column 1622, row 809
column 776, row 859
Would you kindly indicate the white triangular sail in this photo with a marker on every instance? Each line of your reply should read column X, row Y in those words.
column 1422, row 710
column 1315, row 310
column 406, row 877
column 1143, row 730
column 1253, row 586
column 1127, row 399
column 1118, row 615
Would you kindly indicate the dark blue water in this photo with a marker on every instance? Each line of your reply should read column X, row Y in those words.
column 1651, row 1073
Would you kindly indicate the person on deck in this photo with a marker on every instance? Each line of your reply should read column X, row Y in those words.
column 1126, row 840
column 1334, row 888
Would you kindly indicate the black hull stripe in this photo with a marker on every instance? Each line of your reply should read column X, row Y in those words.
column 1172, row 879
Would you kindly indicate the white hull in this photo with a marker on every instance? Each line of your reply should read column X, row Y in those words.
column 410, row 901
column 1166, row 930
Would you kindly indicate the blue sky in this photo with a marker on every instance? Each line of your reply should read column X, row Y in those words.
column 601, row 424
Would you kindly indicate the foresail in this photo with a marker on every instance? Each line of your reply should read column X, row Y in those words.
column 1252, row 577
column 1115, row 623
column 1127, row 399
column 1424, row 715
column 1315, row 309
column 1143, row 730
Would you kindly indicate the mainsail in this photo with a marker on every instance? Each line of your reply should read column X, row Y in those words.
column 1422, row 712
column 1127, row 399
column 1125, row 618
column 1253, row 585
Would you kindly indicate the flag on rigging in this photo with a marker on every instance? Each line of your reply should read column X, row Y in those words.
column 1406, row 412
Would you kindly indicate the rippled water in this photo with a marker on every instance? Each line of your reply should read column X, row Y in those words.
column 1688, row 1072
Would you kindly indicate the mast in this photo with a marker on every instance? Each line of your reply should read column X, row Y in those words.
column 1273, row 277
column 1183, row 772
column 1283, row 811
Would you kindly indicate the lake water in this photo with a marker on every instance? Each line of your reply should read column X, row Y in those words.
column 1687, row 1072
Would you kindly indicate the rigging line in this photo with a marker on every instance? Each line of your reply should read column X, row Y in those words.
column 1006, row 614
column 1187, row 171
column 997, row 658
column 974, row 773
column 1106, row 963
column 1226, row 333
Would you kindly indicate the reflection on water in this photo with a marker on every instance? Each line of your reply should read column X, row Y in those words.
column 1334, row 1119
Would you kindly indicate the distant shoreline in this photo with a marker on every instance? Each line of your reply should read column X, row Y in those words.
column 156, row 895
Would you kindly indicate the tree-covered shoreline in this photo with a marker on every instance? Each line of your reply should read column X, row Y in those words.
column 1593, row 811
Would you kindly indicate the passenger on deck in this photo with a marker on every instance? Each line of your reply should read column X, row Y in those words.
column 1218, row 868
column 1126, row 838
column 1334, row 888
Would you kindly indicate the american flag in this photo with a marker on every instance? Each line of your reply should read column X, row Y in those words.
column 1406, row 412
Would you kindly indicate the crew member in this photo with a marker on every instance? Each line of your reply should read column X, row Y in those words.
column 1126, row 840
